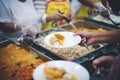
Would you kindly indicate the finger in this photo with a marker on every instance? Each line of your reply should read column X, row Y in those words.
column 99, row 61
column 77, row 33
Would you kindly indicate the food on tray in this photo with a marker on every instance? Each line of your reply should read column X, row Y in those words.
column 100, row 18
column 57, row 38
column 17, row 63
column 86, row 27
column 69, row 53
column 55, row 73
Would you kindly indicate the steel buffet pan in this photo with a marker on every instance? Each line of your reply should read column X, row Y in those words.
column 86, row 26
column 71, row 54
column 103, row 21
column 18, row 62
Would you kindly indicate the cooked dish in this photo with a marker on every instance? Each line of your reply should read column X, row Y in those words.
column 69, row 53
column 85, row 27
column 54, row 73
column 17, row 63
column 57, row 38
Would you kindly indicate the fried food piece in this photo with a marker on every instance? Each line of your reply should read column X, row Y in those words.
column 57, row 38
column 60, row 38
column 54, row 72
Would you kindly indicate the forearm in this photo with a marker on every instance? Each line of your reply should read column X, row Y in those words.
column 104, row 2
column 109, row 36
column 88, row 3
column 7, row 27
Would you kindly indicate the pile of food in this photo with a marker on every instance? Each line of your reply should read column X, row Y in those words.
column 17, row 63
column 57, row 38
column 86, row 27
column 69, row 53
column 54, row 73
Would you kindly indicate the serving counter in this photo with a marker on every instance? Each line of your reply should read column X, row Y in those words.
column 19, row 61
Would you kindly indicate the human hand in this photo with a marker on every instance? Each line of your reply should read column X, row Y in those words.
column 100, row 8
column 27, row 29
column 103, row 62
column 87, row 37
column 70, row 15
column 56, row 16
column 30, row 30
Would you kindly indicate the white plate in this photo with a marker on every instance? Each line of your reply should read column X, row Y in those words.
column 69, row 41
column 71, row 67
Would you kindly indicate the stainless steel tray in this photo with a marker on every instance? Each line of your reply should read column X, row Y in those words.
column 77, row 50
column 86, row 26
column 90, row 18
column 33, row 51
column 16, row 60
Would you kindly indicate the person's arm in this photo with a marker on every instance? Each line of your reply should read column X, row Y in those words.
column 106, row 4
column 98, row 7
column 88, row 3
column 7, row 27
column 108, row 36
column 103, row 62
column 102, row 37
column 5, row 19
column 55, row 16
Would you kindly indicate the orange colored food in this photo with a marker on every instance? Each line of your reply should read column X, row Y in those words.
column 57, row 38
column 54, row 73
column 60, row 38
column 17, row 63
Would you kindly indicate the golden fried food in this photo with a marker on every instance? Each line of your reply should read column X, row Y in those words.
column 86, row 27
column 57, row 38
column 54, row 73
column 60, row 38
column 17, row 63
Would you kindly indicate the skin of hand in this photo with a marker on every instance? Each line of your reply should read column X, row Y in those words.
column 114, row 73
column 103, row 62
column 112, row 36
column 30, row 30
column 106, row 4
column 70, row 15
column 87, row 37
column 56, row 16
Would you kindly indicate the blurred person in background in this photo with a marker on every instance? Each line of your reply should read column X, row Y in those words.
column 104, row 7
column 112, row 5
column 52, row 12
column 112, row 62
column 96, row 6
column 18, row 18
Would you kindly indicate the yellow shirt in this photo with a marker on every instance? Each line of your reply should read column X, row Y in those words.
column 54, row 6
column 84, row 11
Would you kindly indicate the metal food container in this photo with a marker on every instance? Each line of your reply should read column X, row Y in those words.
column 19, row 62
column 112, row 22
column 86, row 26
column 74, row 53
